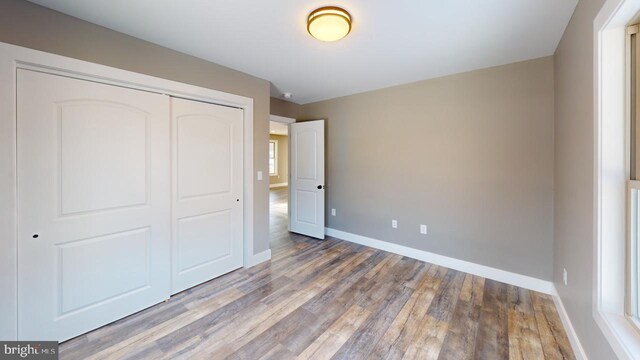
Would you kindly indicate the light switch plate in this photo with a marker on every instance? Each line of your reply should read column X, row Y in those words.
column 259, row 175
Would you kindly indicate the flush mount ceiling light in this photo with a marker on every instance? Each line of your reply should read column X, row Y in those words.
column 329, row 23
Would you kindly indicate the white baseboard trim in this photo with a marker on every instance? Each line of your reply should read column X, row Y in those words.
column 258, row 258
column 578, row 350
column 271, row 186
column 504, row 276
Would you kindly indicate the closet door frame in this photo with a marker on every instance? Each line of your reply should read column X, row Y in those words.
column 14, row 57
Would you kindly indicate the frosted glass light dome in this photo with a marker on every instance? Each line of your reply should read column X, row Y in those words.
column 329, row 23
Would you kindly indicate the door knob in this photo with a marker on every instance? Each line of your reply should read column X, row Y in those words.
column 320, row 187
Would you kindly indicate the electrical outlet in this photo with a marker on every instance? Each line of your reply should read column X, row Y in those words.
column 565, row 277
column 394, row 224
column 333, row 212
column 423, row 229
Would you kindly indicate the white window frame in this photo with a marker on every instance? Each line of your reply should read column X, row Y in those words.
column 633, row 256
column 611, row 173
column 275, row 157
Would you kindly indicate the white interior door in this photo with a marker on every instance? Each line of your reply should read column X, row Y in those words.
column 207, row 189
column 306, row 184
column 93, row 205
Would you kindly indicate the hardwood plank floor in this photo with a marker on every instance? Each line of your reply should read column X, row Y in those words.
column 335, row 300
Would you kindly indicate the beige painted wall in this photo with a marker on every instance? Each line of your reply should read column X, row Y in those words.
column 285, row 108
column 283, row 159
column 29, row 25
column 573, row 176
column 469, row 155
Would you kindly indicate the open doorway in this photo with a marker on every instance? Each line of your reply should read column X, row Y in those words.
column 296, row 153
column 279, row 176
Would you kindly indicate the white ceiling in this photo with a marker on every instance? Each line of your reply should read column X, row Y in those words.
column 277, row 128
column 392, row 42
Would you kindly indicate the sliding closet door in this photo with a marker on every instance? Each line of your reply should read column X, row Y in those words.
column 93, row 205
column 207, row 190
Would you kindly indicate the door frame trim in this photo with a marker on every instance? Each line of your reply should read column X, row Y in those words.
column 14, row 57
column 288, row 121
column 281, row 119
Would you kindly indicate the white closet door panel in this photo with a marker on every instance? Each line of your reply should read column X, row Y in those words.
column 102, row 151
column 90, row 276
column 204, row 238
column 207, row 205
column 204, row 155
column 93, row 221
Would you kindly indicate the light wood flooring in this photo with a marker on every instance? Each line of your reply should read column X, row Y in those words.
column 333, row 299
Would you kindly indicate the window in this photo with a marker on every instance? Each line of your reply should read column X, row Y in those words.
column 633, row 192
column 273, row 157
column 615, row 305
column 633, row 305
